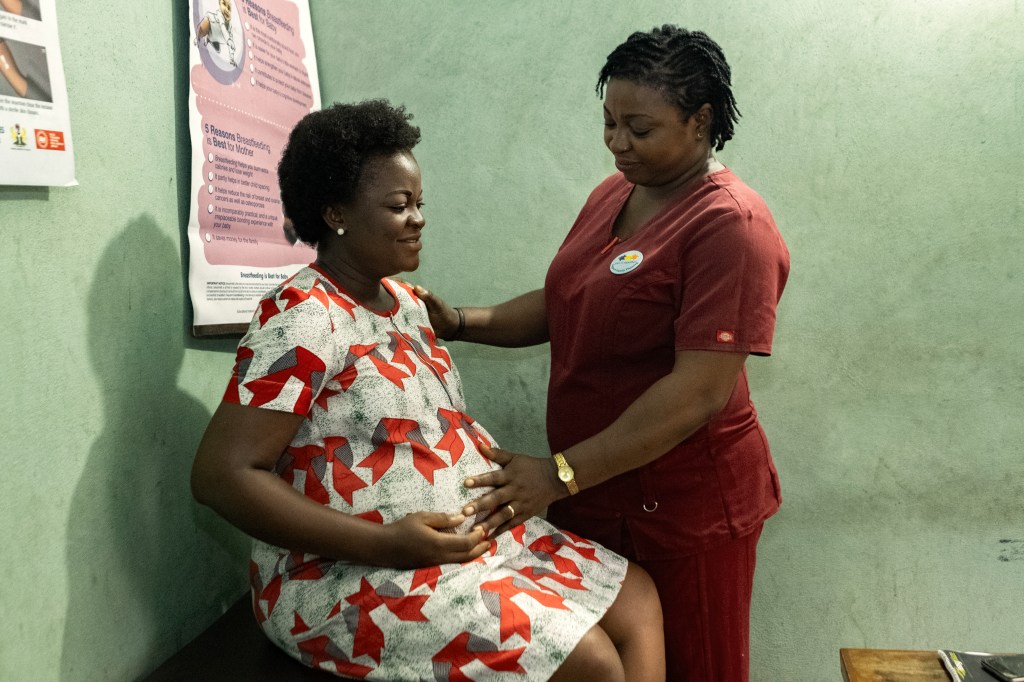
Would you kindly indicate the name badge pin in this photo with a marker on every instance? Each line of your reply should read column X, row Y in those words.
column 626, row 262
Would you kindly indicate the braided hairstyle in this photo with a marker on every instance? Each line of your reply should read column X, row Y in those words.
column 688, row 67
column 326, row 153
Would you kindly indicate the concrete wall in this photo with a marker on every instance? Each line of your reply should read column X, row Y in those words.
column 108, row 567
column 888, row 139
column 885, row 136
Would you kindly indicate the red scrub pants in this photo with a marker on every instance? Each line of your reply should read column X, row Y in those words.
column 705, row 599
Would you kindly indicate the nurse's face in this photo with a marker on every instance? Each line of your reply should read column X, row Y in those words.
column 225, row 10
column 653, row 142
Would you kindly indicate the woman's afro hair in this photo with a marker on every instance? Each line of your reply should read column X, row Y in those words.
column 326, row 153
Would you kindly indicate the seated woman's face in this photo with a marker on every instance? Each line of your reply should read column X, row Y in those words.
column 383, row 224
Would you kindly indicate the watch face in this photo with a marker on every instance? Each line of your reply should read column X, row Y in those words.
column 565, row 474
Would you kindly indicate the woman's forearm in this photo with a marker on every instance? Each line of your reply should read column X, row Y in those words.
column 268, row 508
column 233, row 475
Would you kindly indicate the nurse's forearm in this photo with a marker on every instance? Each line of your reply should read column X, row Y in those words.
column 519, row 322
column 668, row 412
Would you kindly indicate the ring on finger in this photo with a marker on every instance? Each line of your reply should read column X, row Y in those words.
column 512, row 512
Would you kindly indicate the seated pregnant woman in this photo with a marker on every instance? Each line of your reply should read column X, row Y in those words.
column 342, row 444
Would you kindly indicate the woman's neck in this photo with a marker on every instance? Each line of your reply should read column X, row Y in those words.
column 367, row 290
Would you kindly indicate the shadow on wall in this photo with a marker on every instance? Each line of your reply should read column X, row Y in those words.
column 141, row 572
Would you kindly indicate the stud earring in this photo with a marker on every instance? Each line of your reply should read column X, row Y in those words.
column 341, row 231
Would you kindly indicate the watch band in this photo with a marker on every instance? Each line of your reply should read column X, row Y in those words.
column 565, row 473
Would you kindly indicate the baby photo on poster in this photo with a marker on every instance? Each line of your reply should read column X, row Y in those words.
column 28, row 9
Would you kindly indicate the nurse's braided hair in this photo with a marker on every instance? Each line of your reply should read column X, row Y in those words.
column 687, row 66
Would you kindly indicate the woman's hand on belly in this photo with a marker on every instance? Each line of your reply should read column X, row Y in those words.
column 425, row 539
column 522, row 488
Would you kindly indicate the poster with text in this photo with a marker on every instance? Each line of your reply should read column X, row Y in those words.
column 35, row 127
column 253, row 76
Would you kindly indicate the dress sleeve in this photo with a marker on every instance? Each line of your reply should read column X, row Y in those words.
column 734, row 270
column 282, row 362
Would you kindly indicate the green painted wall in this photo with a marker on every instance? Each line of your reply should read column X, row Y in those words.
column 888, row 138
column 108, row 567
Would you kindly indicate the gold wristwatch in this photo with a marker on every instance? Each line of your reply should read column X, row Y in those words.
column 565, row 473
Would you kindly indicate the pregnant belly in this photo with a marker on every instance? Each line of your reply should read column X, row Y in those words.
column 424, row 484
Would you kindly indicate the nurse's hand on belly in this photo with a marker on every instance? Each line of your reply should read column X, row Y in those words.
column 523, row 488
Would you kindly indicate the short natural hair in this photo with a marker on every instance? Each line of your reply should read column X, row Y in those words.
column 327, row 152
column 687, row 66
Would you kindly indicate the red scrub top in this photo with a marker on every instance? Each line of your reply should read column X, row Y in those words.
column 705, row 273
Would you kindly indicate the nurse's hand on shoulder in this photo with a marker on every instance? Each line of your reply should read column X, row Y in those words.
column 523, row 488
column 428, row 539
column 443, row 318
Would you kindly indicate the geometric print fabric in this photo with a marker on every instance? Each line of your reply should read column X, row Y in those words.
column 386, row 434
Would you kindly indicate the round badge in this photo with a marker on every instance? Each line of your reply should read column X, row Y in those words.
column 626, row 262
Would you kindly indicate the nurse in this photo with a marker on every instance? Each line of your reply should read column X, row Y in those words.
column 666, row 282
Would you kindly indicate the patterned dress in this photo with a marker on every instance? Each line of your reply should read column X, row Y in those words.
column 387, row 434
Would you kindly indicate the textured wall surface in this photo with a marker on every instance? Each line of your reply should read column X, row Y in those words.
column 108, row 567
column 888, row 139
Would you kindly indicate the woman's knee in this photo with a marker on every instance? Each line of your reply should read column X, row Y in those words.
column 636, row 609
column 639, row 587
column 594, row 658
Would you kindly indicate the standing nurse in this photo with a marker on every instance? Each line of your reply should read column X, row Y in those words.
column 665, row 284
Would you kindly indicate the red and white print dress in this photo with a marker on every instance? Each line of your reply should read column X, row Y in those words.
column 386, row 434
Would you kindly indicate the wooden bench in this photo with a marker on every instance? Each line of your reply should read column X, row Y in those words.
column 890, row 665
column 234, row 648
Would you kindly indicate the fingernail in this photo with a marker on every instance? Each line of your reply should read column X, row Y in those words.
column 468, row 511
column 469, row 482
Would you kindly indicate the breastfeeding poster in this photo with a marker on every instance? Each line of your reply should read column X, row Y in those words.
column 35, row 127
column 253, row 76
